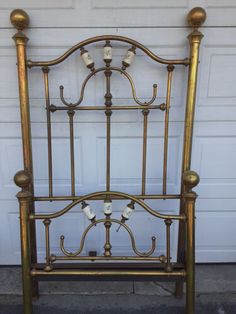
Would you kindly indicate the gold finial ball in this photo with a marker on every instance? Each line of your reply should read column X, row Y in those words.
column 191, row 179
column 20, row 19
column 196, row 17
column 22, row 179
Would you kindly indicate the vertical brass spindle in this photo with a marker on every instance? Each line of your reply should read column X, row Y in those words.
column 170, row 69
column 168, row 267
column 108, row 112
column 48, row 266
column 107, row 246
column 72, row 155
column 144, row 160
column 49, row 132
column 108, row 144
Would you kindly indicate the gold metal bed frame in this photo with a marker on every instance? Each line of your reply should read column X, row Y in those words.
column 149, row 267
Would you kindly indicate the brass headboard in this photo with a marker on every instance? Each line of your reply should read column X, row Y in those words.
column 150, row 266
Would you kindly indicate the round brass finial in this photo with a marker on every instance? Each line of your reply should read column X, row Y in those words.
column 20, row 19
column 196, row 17
column 22, row 178
column 191, row 179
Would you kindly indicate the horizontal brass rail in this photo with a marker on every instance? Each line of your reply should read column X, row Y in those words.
column 150, row 107
column 107, row 272
column 104, row 38
column 103, row 258
column 102, row 197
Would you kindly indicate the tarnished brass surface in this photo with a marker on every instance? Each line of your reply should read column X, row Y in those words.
column 189, row 179
column 107, row 272
column 162, row 107
column 20, row 19
column 196, row 17
column 22, row 179
column 103, row 197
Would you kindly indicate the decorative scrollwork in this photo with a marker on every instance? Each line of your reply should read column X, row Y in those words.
column 136, row 251
column 128, row 76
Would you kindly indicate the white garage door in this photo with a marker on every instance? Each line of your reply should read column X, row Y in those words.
column 57, row 25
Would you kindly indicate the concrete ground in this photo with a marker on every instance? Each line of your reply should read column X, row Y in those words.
column 215, row 293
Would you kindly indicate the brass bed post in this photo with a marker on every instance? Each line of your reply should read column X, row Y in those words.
column 190, row 180
column 196, row 17
column 20, row 21
column 23, row 180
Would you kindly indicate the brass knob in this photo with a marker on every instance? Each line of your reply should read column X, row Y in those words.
column 20, row 19
column 190, row 179
column 22, row 179
column 196, row 17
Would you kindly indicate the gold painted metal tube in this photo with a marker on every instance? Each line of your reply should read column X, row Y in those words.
column 49, row 132
column 144, row 160
column 24, row 198
column 98, row 272
column 102, row 197
column 170, row 69
column 72, row 153
column 104, row 38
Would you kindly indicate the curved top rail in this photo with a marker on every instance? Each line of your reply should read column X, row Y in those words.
column 104, row 38
column 114, row 193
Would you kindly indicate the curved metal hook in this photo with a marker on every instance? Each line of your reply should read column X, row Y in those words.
column 81, row 92
column 154, row 94
column 103, row 69
column 136, row 251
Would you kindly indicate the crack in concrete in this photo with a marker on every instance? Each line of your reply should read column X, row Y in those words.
column 164, row 288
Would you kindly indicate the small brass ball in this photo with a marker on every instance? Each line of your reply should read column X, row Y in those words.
column 191, row 179
column 22, row 179
column 196, row 17
column 20, row 19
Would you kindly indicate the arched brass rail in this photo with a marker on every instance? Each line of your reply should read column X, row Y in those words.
column 113, row 69
column 104, row 38
column 110, row 193
column 136, row 251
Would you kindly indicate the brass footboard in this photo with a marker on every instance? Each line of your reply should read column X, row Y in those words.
column 141, row 265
